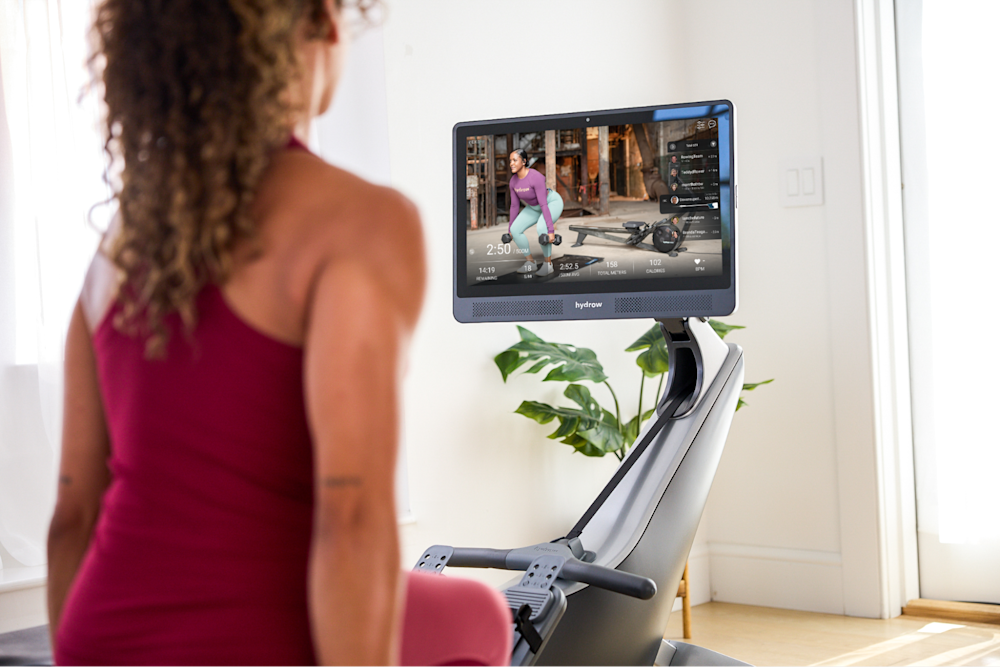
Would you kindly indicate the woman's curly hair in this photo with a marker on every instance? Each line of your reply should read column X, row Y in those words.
column 197, row 101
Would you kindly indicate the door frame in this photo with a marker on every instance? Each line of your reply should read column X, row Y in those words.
column 878, row 90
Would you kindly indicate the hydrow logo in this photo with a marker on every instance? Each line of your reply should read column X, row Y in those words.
column 589, row 304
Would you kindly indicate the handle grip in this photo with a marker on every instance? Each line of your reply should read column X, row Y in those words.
column 625, row 583
column 474, row 557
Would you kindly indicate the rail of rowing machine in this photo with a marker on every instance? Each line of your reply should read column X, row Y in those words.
column 602, row 594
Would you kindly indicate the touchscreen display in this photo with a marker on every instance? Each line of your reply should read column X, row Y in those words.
column 630, row 205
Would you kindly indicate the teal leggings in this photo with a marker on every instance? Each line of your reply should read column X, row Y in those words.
column 532, row 215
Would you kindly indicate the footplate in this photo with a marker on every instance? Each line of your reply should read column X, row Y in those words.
column 538, row 601
column 536, row 606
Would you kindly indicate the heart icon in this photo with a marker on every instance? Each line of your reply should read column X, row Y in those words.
column 697, row 261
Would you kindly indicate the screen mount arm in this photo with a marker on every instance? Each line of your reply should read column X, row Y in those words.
column 690, row 343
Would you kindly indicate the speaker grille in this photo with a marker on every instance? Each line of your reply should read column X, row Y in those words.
column 686, row 303
column 516, row 308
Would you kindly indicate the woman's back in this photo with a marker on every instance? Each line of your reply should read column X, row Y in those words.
column 202, row 548
column 310, row 214
column 227, row 472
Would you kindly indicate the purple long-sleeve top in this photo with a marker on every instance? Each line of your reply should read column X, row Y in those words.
column 530, row 190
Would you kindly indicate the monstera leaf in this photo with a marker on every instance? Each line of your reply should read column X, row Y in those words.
column 645, row 340
column 654, row 361
column 569, row 363
column 603, row 433
column 590, row 430
column 631, row 429
column 604, row 438
column 722, row 328
column 750, row 386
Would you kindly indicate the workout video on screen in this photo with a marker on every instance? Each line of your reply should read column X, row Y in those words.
column 598, row 203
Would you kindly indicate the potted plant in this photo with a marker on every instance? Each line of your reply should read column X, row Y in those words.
column 588, row 427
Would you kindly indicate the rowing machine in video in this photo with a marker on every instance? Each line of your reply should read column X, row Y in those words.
column 590, row 597
column 667, row 237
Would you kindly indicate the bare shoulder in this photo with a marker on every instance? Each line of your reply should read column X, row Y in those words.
column 388, row 237
column 346, row 219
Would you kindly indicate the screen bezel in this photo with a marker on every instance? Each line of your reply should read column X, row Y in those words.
column 723, row 288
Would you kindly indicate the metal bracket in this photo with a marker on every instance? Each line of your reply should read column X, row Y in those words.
column 543, row 572
column 434, row 559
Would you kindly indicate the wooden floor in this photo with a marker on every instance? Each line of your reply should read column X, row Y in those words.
column 764, row 636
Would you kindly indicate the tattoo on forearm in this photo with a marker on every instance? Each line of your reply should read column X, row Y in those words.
column 65, row 480
column 338, row 482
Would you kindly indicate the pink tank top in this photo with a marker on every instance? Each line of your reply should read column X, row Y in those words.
column 200, row 552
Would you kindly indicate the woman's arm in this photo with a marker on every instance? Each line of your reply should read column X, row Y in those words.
column 542, row 193
column 83, row 470
column 358, row 326
column 515, row 203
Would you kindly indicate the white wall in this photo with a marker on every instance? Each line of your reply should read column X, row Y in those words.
column 786, row 528
column 479, row 474
column 790, row 520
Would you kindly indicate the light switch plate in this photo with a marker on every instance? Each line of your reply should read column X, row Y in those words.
column 800, row 181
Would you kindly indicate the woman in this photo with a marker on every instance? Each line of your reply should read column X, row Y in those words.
column 232, row 370
column 541, row 208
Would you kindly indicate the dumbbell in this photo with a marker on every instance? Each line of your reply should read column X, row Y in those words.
column 544, row 239
column 506, row 238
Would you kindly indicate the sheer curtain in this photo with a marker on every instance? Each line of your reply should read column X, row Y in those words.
column 51, row 175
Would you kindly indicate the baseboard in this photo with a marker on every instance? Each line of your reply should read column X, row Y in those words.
column 771, row 577
column 22, row 598
column 966, row 612
column 698, row 574
column 697, row 577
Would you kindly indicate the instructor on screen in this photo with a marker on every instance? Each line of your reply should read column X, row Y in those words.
column 541, row 208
